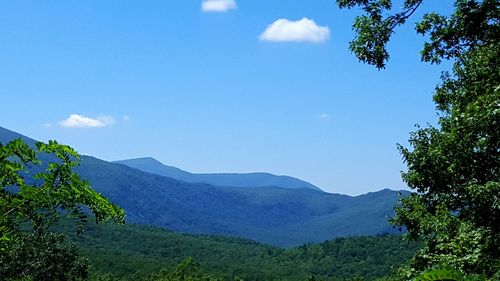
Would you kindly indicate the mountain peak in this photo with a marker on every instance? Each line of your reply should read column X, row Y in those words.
column 141, row 159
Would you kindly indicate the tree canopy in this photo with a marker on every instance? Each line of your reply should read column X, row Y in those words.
column 473, row 23
column 40, row 198
column 32, row 197
column 454, row 167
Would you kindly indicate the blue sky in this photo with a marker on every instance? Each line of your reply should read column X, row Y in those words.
column 211, row 91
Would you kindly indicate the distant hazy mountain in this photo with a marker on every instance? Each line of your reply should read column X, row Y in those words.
column 154, row 166
column 8, row 135
column 278, row 216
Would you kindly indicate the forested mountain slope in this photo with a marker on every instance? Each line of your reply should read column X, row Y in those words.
column 277, row 216
column 115, row 250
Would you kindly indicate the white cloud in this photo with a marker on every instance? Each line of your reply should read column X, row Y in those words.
column 323, row 116
column 304, row 30
column 126, row 118
column 80, row 121
column 218, row 5
column 47, row 125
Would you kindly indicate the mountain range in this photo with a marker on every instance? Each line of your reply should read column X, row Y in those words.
column 281, row 211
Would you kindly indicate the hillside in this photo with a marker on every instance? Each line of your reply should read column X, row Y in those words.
column 114, row 250
column 277, row 216
column 154, row 166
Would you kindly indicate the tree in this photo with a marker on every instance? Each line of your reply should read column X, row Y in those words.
column 474, row 23
column 456, row 170
column 455, row 167
column 187, row 270
column 31, row 202
column 447, row 274
column 43, row 257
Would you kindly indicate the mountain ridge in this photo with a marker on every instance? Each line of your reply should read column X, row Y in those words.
column 278, row 216
column 253, row 179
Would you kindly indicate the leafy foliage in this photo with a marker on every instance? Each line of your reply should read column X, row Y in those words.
column 440, row 274
column 43, row 257
column 187, row 270
column 456, row 169
column 31, row 204
column 474, row 23
column 53, row 190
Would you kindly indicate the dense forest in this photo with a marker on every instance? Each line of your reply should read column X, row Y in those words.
column 135, row 252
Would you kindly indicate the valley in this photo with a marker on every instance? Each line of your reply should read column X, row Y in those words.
column 275, row 215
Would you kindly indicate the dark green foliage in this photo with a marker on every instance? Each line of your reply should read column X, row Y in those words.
column 187, row 270
column 440, row 274
column 473, row 23
column 374, row 29
column 456, row 168
column 42, row 256
column 135, row 252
